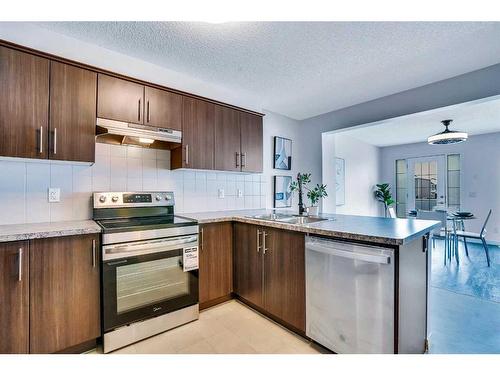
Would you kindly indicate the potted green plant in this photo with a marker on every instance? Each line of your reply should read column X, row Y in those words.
column 314, row 194
column 383, row 194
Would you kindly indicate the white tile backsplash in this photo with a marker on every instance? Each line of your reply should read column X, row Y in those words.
column 24, row 185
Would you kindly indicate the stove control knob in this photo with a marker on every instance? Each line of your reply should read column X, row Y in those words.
column 168, row 197
column 114, row 199
column 158, row 197
column 102, row 198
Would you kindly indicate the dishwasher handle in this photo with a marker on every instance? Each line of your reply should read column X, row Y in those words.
column 330, row 250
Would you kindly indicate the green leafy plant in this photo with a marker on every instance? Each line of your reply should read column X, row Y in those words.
column 318, row 192
column 383, row 194
column 314, row 194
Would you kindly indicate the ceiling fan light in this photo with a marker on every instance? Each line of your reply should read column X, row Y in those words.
column 447, row 137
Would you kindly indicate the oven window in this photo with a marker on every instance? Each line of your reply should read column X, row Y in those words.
column 146, row 283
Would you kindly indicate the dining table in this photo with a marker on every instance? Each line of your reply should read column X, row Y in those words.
column 456, row 222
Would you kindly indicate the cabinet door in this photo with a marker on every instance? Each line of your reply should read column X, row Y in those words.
column 227, row 139
column 284, row 276
column 14, row 294
column 120, row 100
column 247, row 263
column 251, row 142
column 24, row 104
column 216, row 261
column 64, row 286
column 163, row 109
column 73, row 96
column 198, row 135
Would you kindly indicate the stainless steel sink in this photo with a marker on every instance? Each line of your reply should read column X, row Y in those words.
column 271, row 217
column 301, row 219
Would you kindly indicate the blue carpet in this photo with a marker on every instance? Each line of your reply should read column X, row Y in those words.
column 471, row 276
column 465, row 301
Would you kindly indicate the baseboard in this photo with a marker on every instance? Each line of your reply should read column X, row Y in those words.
column 215, row 301
column 79, row 348
column 272, row 317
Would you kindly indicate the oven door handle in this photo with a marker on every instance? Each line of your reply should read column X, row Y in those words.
column 147, row 247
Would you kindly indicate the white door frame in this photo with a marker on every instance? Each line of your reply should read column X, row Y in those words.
column 441, row 179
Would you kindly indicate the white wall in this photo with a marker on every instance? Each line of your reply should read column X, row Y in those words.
column 362, row 172
column 480, row 156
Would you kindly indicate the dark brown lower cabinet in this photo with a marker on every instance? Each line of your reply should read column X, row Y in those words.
column 284, row 276
column 216, row 263
column 248, row 263
column 269, row 271
column 64, row 298
column 14, row 297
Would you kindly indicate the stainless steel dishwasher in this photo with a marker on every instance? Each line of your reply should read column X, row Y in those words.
column 350, row 296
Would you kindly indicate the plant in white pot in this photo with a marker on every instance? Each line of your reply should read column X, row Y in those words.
column 314, row 194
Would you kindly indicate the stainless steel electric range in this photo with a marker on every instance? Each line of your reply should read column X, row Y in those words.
column 149, row 266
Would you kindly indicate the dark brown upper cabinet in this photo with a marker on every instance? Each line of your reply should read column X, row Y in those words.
column 251, row 142
column 163, row 109
column 72, row 113
column 14, row 297
column 238, row 140
column 198, row 136
column 227, row 139
column 64, row 298
column 121, row 100
column 24, row 104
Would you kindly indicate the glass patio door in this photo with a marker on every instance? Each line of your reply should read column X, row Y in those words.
column 426, row 183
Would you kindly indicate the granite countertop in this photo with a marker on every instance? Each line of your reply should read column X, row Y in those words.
column 362, row 228
column 18, row 232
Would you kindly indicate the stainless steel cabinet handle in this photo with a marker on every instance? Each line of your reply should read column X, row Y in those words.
column 264, row 235
column 201, row 239
column 93, row 254
column 243, row 159
column 139, row 111
column 237, row 159
column 187, row 154
column 258, row 240
column 55, row 141
column 41, row 139
column 147, row 111
column 20, row 269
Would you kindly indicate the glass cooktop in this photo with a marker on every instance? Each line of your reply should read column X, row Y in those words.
column 143, row 223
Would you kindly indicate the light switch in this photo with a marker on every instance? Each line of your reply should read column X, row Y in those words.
column 239, row 192
column 220, row 193
column 54, row 195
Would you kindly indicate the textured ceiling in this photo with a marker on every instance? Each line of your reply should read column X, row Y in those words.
column 302, row 69
column 473, row 118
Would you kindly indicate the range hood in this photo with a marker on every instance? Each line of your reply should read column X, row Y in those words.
column 123, row 133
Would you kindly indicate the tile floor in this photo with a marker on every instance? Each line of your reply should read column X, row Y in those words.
column 229, row 328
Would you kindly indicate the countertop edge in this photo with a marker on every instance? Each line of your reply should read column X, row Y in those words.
column 310, row 229
column 88, row 228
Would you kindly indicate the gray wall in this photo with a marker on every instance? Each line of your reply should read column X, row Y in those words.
column 466, row 87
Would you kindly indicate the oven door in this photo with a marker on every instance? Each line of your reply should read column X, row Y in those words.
column 145, row 279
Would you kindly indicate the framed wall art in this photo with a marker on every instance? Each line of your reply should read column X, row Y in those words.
column 339, row 181
column 282, row 153
column 282, row 191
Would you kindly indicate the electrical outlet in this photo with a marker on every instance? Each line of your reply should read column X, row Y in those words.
column 239, row 193
column 220, row 193
column 54, row 195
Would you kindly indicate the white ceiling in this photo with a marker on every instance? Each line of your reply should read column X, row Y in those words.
column 302, row 69
column 479, row 117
